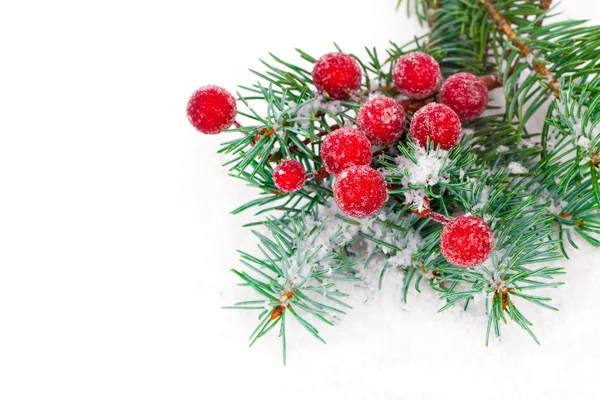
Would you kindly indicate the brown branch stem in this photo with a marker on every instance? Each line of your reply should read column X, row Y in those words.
column 544, row 6
column 504, row 27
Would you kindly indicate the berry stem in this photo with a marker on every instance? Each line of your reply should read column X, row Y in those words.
column 442, row 219
column 237, row 125
column 491, row 82
column 321, row 174
column 427, row 213
column 431, row 7
column 412, row 105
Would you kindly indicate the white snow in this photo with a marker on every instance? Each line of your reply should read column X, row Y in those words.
column 319, row 103
column 517, row 168
column 404, row 257
column 483, row 199
column 427, row 170
column 583, row 142
column 556, row 208
column 416, row 197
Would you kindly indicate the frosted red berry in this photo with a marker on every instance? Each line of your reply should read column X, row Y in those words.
column 360, row 191
column 466, row 241
column 466, row 94
column 211, row 109
column 289, row 176
column 344, row 148
column 417, row 75
column 439, row 123
column 382, row 120
column 338, row 75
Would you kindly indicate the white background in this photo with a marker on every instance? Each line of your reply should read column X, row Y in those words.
column 116, row 239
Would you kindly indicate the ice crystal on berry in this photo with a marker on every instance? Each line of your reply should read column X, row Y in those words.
column 289, row 176
column 382, row 120
column 466, row 94
column 360, row 191
column 417, row 75
column 338, row 75
column 437, row 122
column 343, row 148
column 211, row 109
column 466, row 241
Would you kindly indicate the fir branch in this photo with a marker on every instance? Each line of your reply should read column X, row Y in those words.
column 534, row 189
column 505, row 27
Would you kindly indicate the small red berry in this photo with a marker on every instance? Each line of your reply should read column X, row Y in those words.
column 437, row 122
column 211, row 109
column 417, row 75
column 382, row 120
column 466, row 94
column 343, row 148
column 466, row 241
column 337, row 74
column 289, row 176
column 360, row 191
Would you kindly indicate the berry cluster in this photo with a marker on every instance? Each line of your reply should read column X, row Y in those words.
column 346, row 153
column 359, row 190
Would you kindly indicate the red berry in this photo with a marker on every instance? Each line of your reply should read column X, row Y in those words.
column 382, row 120
column 437, row 122
column 289, row 176
column 360, row 191
column 417, row 75
column 466, row 94
column 337, row 74
column 211, row 109
column 343, row 148
column 466, row 241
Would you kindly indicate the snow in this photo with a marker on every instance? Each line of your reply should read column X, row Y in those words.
column 517, row 168
column 556, row 208
column 484, row 197
column 583, row 142
column 404, row 257
column 399, row 342
column 334, row 232
column 416, row 197
column 426, row 171
column 319, row 103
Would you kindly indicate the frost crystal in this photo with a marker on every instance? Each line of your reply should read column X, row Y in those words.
column 483, row 199
column 416, row 198
column 517, row 168
column 584, row 142
column 319, row 103
column 427, row 170
column 404, row 257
